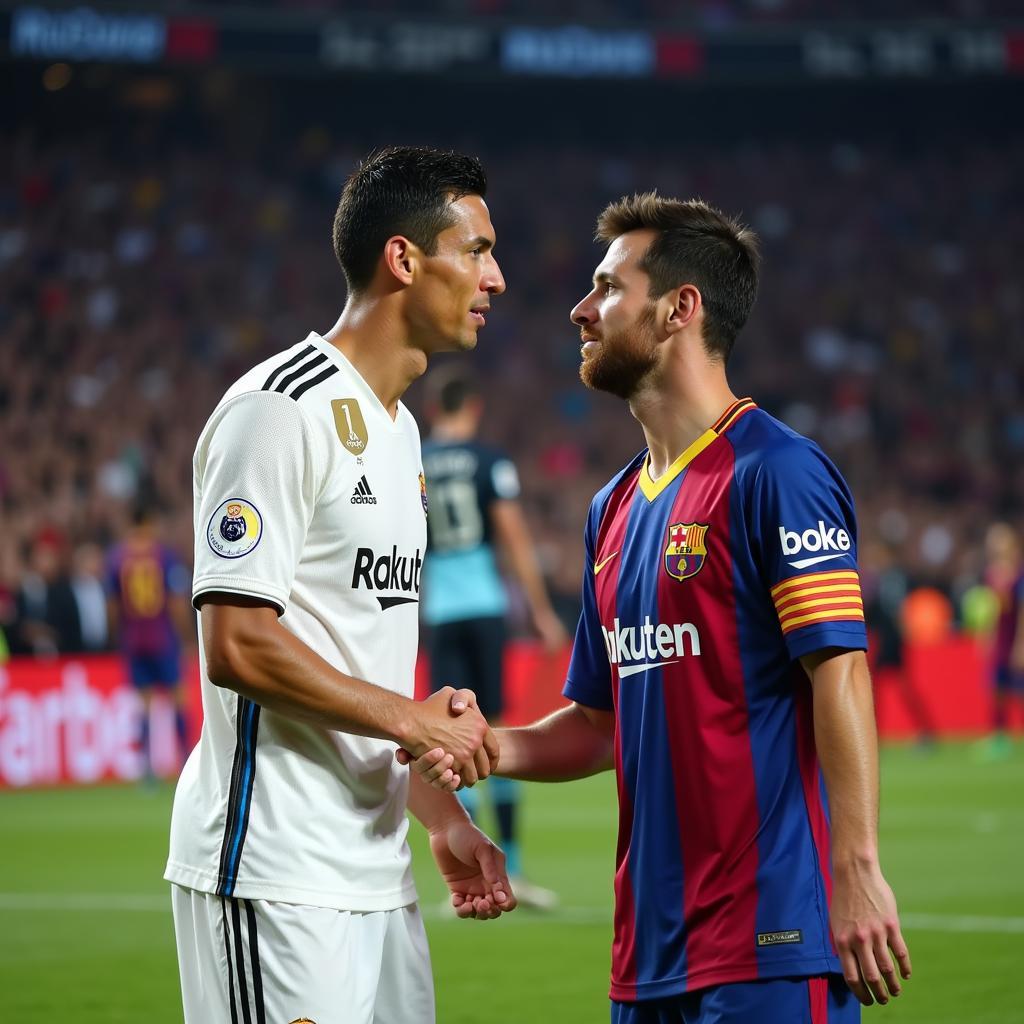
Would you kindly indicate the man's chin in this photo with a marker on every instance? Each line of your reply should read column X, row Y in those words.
column 615, row 378
column 459, row 343
column 599, row 377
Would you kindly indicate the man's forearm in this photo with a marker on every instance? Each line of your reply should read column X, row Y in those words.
column 569, row 744
column 249, row 651
column 271, row 666
column 514, row 536
column 847, row 744
column 431, row 807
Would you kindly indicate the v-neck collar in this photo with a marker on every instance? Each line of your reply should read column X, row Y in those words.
column 652, row 488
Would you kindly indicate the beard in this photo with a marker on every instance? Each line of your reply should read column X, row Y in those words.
column 623, row 360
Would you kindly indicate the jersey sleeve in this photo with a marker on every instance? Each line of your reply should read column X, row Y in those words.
column 257, row 490
column 589, row 680
column 500, row 480
column 805, row 541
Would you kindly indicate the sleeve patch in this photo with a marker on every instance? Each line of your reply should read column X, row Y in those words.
column 505, row 479
column 818, row 597
column 235, row 528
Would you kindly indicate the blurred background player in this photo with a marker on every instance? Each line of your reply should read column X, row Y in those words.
column 886, row 587
column 46, row 616
column 472, row 500
column 1004, row 574
column 150, row 614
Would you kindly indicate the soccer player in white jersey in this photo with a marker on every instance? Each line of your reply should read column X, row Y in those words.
column 292, row 891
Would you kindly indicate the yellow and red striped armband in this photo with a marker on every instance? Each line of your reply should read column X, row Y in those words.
column 818, row 597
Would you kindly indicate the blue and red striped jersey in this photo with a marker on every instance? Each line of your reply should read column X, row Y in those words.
column 701, row 591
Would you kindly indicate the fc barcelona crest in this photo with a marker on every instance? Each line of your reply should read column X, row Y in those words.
column 686, row 552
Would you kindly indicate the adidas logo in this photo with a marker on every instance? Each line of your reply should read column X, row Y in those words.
column 362, row 495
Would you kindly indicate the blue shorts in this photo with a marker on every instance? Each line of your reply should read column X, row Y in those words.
column 822, row 1000
column 1007, row 680
column 149, row 670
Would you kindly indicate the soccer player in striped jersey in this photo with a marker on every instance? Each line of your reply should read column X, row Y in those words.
column 292, row 890
column 148, row 607
column 719, row 663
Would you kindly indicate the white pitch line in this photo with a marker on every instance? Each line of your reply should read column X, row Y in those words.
column 140, row 902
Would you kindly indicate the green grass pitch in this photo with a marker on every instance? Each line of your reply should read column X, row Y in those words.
column 86, row 937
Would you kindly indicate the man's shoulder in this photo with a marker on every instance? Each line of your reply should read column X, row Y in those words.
column 291, row 372
column 284, row 392
column 765, row 446
column 631, row 468
column 455, row 458
column 759, row 434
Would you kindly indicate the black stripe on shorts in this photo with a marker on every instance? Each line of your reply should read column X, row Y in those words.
column 254, row 963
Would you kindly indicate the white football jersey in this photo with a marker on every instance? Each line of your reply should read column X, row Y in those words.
column 308, row 496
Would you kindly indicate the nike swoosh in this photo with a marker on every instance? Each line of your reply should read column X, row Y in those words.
column 803, row 563
column 391, row 602
column 632, row 670
column 598, row 566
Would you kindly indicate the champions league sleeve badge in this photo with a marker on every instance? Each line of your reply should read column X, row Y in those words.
column 235, row 528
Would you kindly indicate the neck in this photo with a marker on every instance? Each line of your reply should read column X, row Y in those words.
column 372, row 337
column 675, row 409
column 454, row 428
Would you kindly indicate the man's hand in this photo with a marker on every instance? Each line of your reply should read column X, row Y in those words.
column 473, row 868
column 865, row 927
column 451, row 726
column 434, row 767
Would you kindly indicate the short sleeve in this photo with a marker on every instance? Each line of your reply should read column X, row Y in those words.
column 805, row 541
column 504, row 479
column 589, row 680
column 256, row 492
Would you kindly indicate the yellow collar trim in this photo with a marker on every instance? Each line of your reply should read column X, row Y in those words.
column 652, row 488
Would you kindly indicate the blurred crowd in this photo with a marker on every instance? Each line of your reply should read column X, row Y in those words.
column 140, row 276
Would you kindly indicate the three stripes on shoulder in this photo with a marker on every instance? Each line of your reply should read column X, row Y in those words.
column 304, row 375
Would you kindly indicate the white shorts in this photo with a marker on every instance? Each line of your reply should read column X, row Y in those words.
column 256, row 962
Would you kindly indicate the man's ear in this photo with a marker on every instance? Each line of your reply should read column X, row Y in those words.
column 686, row 304
column 400, row 257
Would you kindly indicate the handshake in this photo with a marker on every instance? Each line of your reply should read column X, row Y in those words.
column 449, row 742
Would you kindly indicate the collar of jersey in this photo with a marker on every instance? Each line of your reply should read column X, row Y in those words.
column 337, row 356
column 652, row 488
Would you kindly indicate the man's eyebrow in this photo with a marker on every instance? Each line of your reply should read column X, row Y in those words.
column 482, row 242
column 604, row 277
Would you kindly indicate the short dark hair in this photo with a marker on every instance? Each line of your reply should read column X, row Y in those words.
column 696, row 244
column 450, row 388
column 144, row 510
column 399, row 190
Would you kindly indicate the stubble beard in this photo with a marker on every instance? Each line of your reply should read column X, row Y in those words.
column 622, row 361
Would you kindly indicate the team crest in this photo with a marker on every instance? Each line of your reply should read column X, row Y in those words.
column 351, row 427
column 686, row 551
column 235, row 528
column 423, row 492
